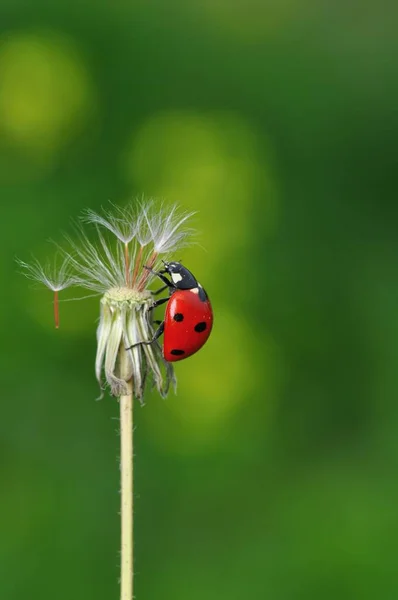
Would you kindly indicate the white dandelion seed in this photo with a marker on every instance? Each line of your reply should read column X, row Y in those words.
column 54, row 276
column 147, row 219
column 171, row 235
column 164, row 226
column 122, row 222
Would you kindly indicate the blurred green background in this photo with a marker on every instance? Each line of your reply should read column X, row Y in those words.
column 273, row 472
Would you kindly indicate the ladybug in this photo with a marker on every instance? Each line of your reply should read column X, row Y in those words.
column 188, row 317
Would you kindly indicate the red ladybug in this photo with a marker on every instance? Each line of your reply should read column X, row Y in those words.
column 188, row 318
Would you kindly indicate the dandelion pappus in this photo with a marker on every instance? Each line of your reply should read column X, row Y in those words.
column 188, row 317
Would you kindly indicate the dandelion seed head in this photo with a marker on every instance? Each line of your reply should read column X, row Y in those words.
column 110, row 259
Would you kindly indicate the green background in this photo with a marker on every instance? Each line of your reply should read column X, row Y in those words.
column 273, row 472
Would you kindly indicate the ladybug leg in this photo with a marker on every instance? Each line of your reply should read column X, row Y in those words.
column 157, row 335
column 158, row 303
column 161, row 276
column 162, row 289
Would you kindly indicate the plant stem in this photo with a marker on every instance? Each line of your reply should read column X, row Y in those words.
column 126, row 486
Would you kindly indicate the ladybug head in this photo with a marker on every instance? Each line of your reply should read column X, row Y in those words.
column 180, row 276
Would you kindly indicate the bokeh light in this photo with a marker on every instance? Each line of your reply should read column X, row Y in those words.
column 46, row 92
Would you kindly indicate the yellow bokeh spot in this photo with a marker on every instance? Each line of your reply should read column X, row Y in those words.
column 45, row 92
column 211, row 163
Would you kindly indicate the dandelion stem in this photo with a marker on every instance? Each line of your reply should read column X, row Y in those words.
column 127, row 263
column 126, row 487
column 56, row 309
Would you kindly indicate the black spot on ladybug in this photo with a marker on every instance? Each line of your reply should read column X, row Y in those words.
column 177, row 352
column 199, row 327
column 178, row 317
